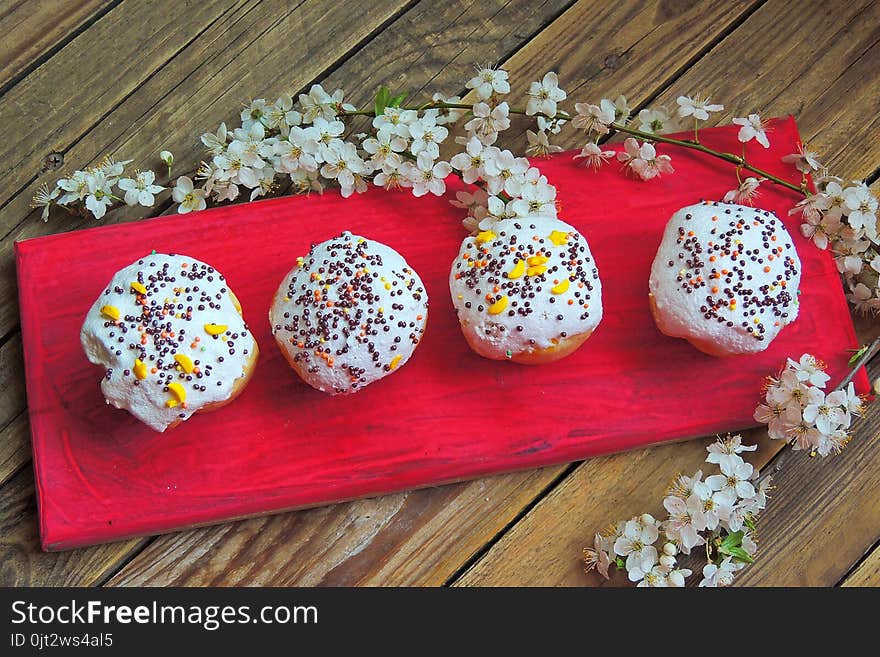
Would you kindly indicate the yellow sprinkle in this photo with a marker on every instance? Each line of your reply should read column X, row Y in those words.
column 537, row 260
column 215, row 329
column 300, row 261
column 138, row 287
column 558, row 237
column 111, row 312
column 518, row 270
column 536, row 270
column 381, row 309
column 461, row 296
column 485, row 236
column 395, row 361
column 387, row 286
column 179, row 394
column 562, row 287
column 140, row 369
column 185, row 362
column 498, row 307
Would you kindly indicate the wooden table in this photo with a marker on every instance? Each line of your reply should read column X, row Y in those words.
column 81, row 78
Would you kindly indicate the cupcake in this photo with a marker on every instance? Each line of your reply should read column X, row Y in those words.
column 527, row 290
column 725, row 278
column 349, row 313
column 170, row 336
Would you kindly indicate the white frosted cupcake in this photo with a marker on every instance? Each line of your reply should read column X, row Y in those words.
column 725, row 278
column 169, row 334
column 349, row 313
column 527, row 290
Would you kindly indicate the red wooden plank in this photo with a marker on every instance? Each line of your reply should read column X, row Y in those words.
column 447, row 415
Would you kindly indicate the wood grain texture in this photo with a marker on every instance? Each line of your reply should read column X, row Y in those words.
column 409, row 563
column 15, row 446
column 21, row 561
column 31, row 30
column 546, row 534
column 413, row 537
column 234, row 55
column 867, row 573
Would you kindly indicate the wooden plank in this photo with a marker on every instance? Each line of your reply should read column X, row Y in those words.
column 213, row 71
column 15, row 446
column 142, row 37
column 369, row 542
column 31, row 30
column 868, row 572
column 376, row 558
column 12, row 396
column 557, row 528
column 23, row 564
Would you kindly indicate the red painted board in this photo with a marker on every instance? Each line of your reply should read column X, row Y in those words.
column 447, row 415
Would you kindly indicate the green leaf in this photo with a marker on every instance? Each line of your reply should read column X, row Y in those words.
column 381, row 100
column 733, row 540
column 858, row 354
column 620, row 563
column 739, row 553
column 398, row 100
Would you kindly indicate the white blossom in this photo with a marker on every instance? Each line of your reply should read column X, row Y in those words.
column 488, row 122
column 697, row 107
column 643, row 159
column 804, row 160
column 189, row 198
column 718, row 576
column 592, row 119
column 488, row 82
column 745, row 192
column 544, row 96
column 140, row 189
column 656, row 121
column 426, row 176
column 593, row 155
column 752, row 128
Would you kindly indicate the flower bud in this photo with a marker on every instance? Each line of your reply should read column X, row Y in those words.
column 667, row 561
column 670, row 549
column 676, row 579
column 167, row 157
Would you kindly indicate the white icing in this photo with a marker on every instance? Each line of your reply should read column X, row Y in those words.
column 527, row 322
column 160, row 274
column 368, row 316
column 684, row 314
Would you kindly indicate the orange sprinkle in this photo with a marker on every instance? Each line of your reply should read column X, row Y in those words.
column 770, row 257
column 418, row 318
column 714, row 218
column 712, row 258
column 198, row 339
column 767, row 270
column 154, row 370
column 773, row 238
column 496, row 289
column 184, row 265
column 571, row 302
column 690, row 233
column 775, row 323
column 196, row 370
column 714, row 290
column 586, row 305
